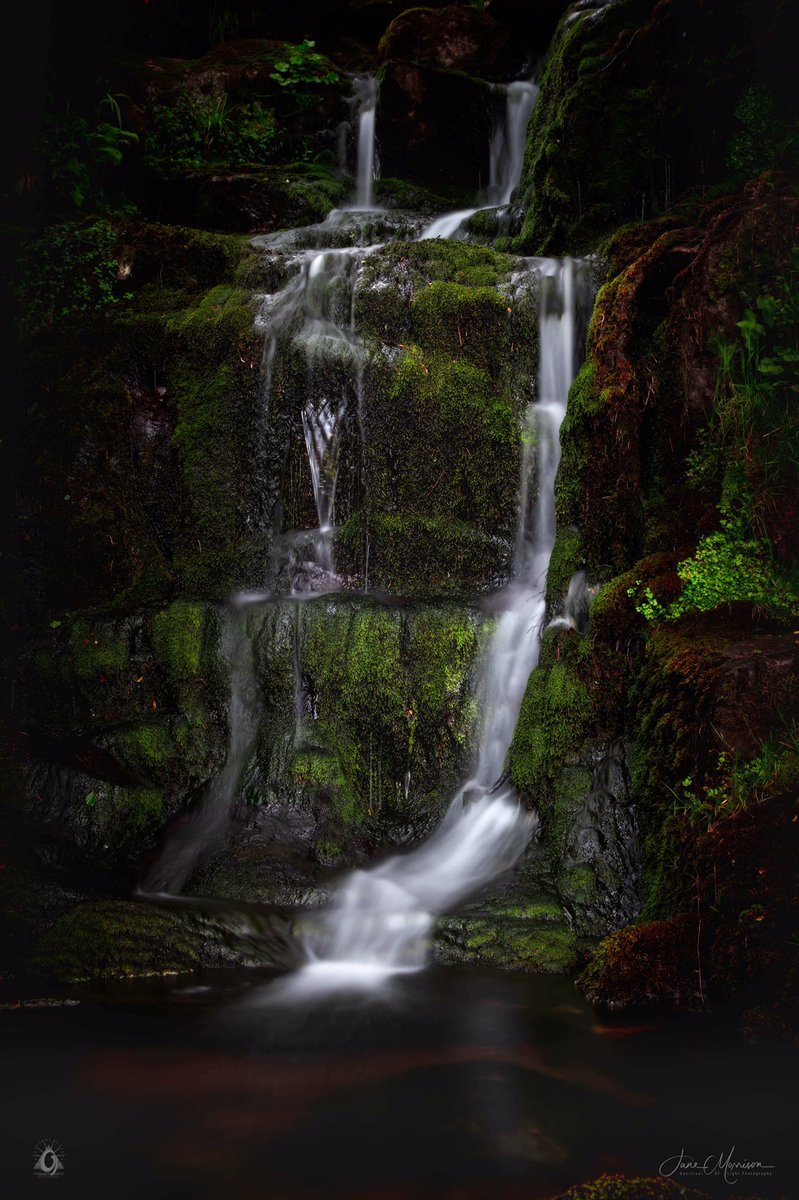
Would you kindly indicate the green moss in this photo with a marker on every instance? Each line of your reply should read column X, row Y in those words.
column 178, row 635
column 422, row 556
column 95, row 652
column 122, row 822
column 112, row 939
column 463, row 321
column 567, row 558
column 553, row 722
column 576, row 186
column 521, row 945
column 147, row 748
column 386, row 733
column 578, row 445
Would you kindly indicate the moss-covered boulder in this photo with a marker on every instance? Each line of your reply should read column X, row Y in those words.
column 119, row 939
column 449, row 38
column 120, row 723
column 436, row 378
column 153, row 387
column 648, row 68
column 625, row 1187
column 643, row 402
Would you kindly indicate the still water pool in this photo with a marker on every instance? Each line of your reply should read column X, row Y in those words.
column 455, row 1084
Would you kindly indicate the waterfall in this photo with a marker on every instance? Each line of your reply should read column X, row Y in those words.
column 380, row 920
column 506, row 158
column 508, row 140
column 365, row 105
column 314, row 315
column 321, row 424
column 204, row 827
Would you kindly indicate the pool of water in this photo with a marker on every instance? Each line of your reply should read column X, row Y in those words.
column 450, row 1084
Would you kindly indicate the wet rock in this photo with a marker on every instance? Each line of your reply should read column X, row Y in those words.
column 451, row 39
column 637, row 62
column 430, row 123
column 119, row 939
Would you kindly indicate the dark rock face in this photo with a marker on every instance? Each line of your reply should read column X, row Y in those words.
column 450, row 39
column 617, row 135
column 434, row 128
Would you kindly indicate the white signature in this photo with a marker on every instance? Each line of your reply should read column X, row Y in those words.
column 730, row 1168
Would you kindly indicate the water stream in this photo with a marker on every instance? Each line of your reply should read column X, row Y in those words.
column 380, row 919
column 204, row 827
column 506, row 158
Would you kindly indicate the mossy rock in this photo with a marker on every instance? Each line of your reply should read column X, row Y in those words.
column 646, row 968
column 540, row 943
column 449, row 38
column 568, row 557
column 625, row 1187
column 649, row 68
column 369, row 718
column 420, row 556
column 113, row 939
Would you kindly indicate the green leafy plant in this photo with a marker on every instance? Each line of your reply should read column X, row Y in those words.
column 734, row 783
column 191, row 133
column 767, row 137
column 302, row 64
column 750, row 453
column 71, row 268
column 75, row 150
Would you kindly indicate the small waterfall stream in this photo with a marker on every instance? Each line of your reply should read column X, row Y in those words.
column 381, row 919
column 506, row 158
column 508, row 140
column 204, row 827
column 365, row 104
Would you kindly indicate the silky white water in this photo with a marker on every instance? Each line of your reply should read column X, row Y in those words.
column 509, row 138
column 506, row 159
column 365, row 101
column 380, row 920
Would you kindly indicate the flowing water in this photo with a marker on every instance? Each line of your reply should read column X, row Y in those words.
column 365, row 103
column 509, row 139
column 381, row 919
column 506, row 158
column 204, row 828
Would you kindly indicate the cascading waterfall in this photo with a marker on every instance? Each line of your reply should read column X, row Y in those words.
column 314, row 315
column 365, row 104
column 506, row 158
column 205, row 827
column 381, row 919
column 508, row 140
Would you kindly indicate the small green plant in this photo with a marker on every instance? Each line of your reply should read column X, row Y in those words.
column 733, row 784
column 75, row 149
column 768, row 135
column 649, row 606
column 750, row 454
column 302, row 64
column 71, row 268
column 722, row 794
column 189, row 134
